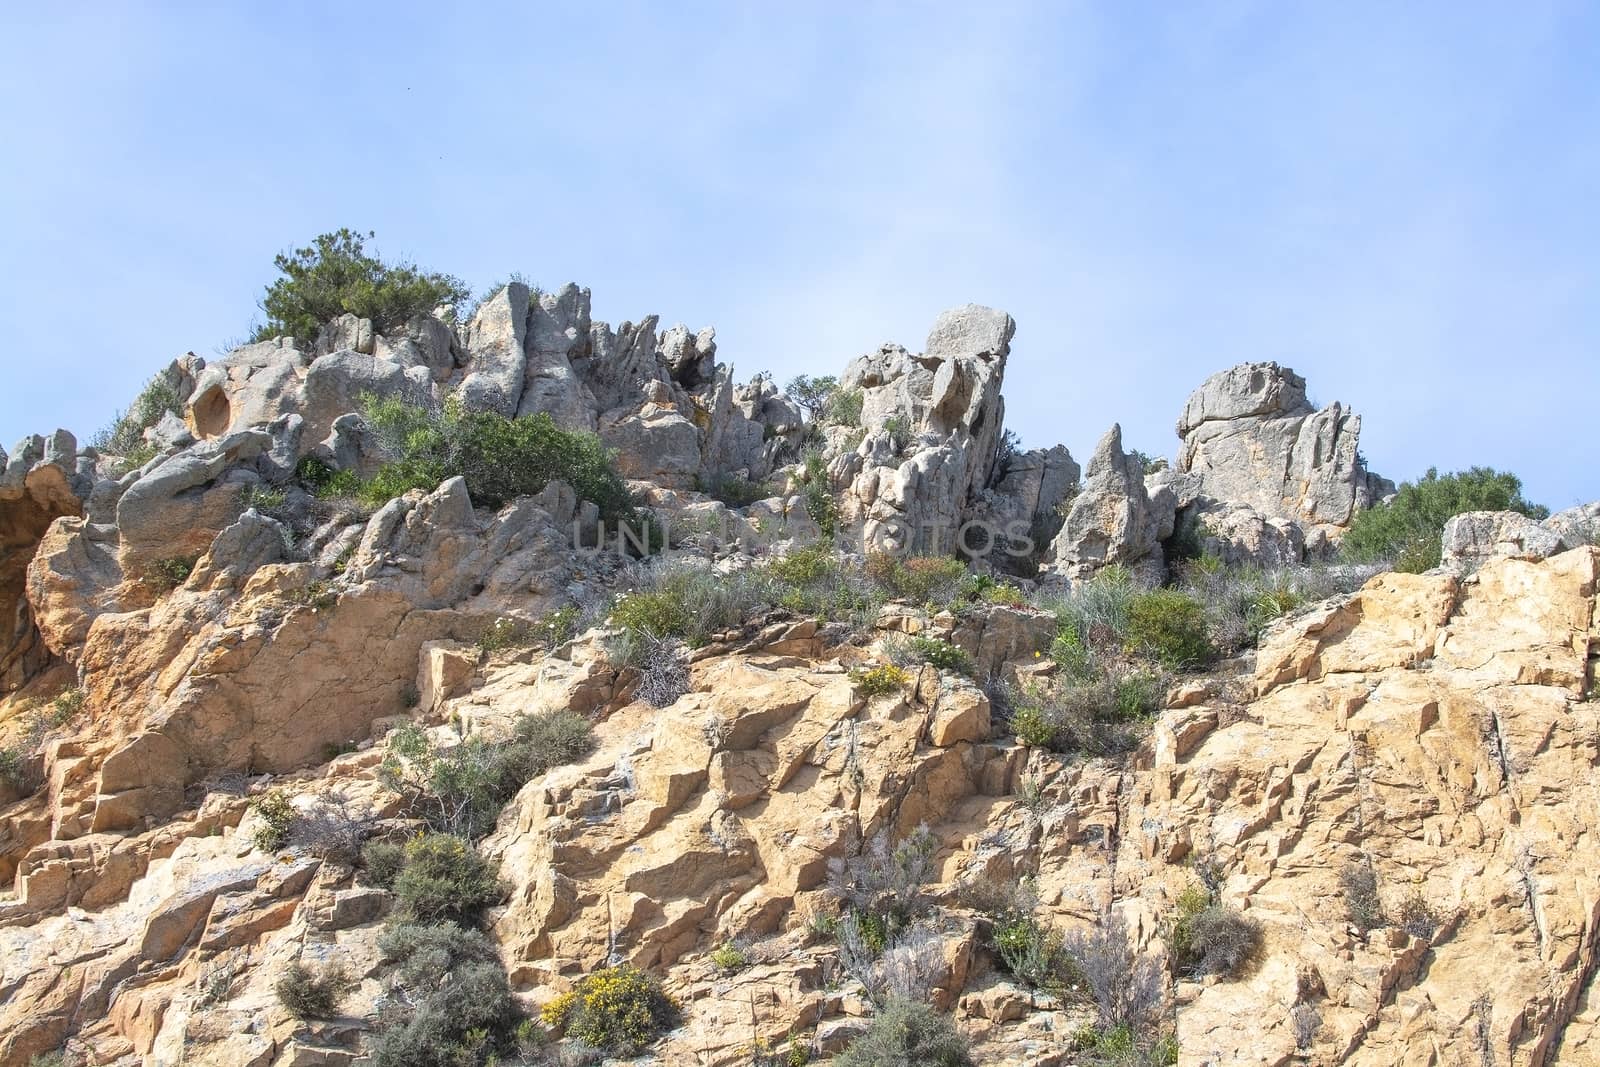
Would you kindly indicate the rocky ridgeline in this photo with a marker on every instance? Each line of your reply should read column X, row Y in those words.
column 1435, row 728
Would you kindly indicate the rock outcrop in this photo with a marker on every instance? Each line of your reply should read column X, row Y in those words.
column 207, row 630
column 930, row 426
column 1251, row 436
column 1111, row 520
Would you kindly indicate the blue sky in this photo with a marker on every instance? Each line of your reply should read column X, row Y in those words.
column 1400, row 201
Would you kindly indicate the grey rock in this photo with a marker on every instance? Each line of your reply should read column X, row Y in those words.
column 169, row 432
column 350, row 446
column 250, row 386
column 1473, row 537
column 346, row 332
column 239, row 550
column 559, row 327
column 336, row 384
column 1111, row 520
column 177, row 508
column 1241, row 536
column 1252, row 437
column 1577, row 526
column 947, row 406
column 496, row 360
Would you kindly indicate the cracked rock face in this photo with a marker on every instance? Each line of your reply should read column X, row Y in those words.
column 1436, row 730
column 930, row 427
column 1253, row 437
column 1440, row 731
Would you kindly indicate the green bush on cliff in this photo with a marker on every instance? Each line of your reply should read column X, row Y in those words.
column 500, row 458
column 336, row 275
column 1407, row 529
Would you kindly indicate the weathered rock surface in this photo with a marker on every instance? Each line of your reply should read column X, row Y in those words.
column 1111, row 519
column 1252, row 437
column 228, row 633
column 1475, row 536
column 932, row 424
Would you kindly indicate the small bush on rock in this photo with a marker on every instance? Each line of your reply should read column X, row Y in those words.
column 1100, row 716
column 1359, row 883
column 919, row 579
column 165, row 575
column 381, row 863
column 1418, row 917
column 884, row 885
column 335, row 276
column 880, row 681
column 619, row 1010
column 1169, row 626
column 1126, row 988
column 452, row 1004
column 941, row 654
column 1209, row 937
column 500, row 458
column 125, row 436
column 277, row 816
column 461, row 789
column 443, row 878
column 310, row 994
column 907, row 1034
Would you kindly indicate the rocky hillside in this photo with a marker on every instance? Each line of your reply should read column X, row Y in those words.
column 748, row 736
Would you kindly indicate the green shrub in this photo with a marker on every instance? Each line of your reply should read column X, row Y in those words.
column 729, row 957
column 335, row 276
column 934, row 580
column 811, row 394
column 941, row 654
column 555, row 628
column 1208, row 937
column 1098, row 715
column 1034, row 954
column 844, row 408
column 310, row 994
column 1408, row 528
column 14, row 768
column 277, row 816
column 817, row 492
column 500, row 458
column 461, row 789
column 907, row 1034
column 618, row 1010
column 165, row 575
column 66, row 706
column 1169, row 626
column 264, row 498
column 883, row 889
column 381, row 863
column 56, row 1058
column 452, row 1004
column 734, row 491
column 879, row 681
column 1095, row 612
column 1240, row 602
column 443, row 877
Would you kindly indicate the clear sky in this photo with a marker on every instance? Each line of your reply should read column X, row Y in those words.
column 1401, row 201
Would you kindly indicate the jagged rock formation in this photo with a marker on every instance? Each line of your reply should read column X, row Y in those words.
column 1111, row 520
column 1251, row 437
column 1438, row 730
column 932, row 424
